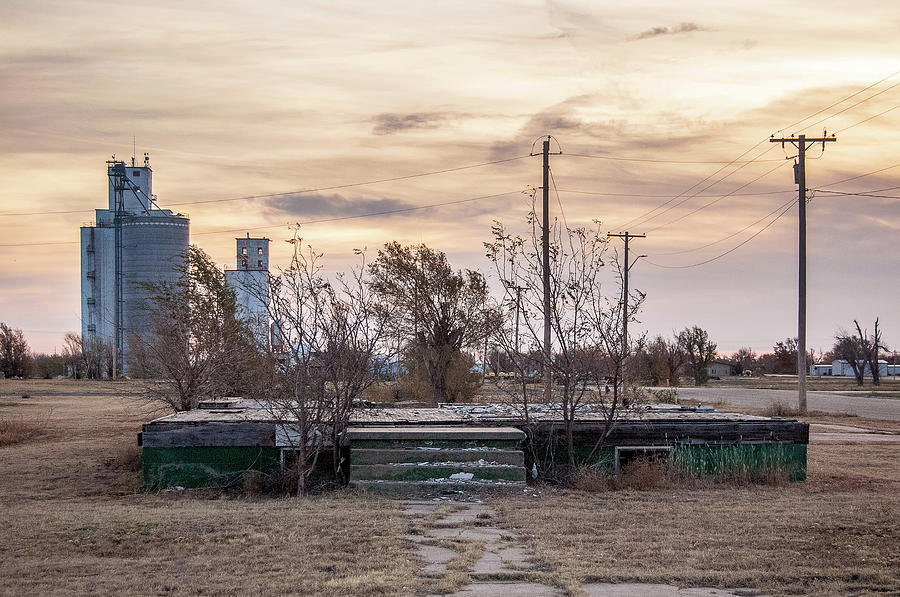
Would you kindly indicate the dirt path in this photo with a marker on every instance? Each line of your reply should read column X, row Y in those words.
column 466, row 554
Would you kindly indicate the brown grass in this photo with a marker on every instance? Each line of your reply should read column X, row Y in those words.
column 836, row 534
column 890, row 386
column 18, row 429
column 74, row 522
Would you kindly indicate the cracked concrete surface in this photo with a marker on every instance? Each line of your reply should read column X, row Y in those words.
column 450, row 532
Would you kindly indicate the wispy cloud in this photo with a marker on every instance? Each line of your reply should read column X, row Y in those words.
column 327, row 206
column 390, row 123
column 685, row 27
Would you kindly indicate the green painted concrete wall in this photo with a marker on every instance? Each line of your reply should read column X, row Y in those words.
column 205, row 466
column 750, row 462
column 211, row 466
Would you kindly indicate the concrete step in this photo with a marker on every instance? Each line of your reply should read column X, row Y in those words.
column 432, row 472
column 428, row 454
column 434, row 436
column 425, row 489
column 436, row 432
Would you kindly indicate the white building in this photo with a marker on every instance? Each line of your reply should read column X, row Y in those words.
column 250, row 282
column 842, row 368
column 719, row 369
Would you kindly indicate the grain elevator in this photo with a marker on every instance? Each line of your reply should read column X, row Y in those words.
column 130, row 243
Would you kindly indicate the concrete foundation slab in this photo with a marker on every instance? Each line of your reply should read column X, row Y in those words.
column 518, row 589
column 649, row 590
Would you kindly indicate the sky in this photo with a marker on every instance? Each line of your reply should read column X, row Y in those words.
column 235, row 100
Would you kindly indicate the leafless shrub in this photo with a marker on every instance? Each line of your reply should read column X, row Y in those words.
column 592, row 479
column 253, row 483
column 643, row 474
column 780, row 409
column 587, row 346
column 127, row 458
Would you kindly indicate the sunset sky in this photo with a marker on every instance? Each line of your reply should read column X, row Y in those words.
column 234, row 99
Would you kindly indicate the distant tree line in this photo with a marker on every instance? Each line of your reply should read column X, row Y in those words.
column 74, row 360
column 664, row 361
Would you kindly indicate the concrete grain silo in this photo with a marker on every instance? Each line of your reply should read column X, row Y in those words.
column 250, row 282
column 130, row 244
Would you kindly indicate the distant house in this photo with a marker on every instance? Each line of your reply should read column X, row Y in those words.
column 718, row 369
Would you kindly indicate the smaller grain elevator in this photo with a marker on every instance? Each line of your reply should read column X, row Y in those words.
column 250, row 282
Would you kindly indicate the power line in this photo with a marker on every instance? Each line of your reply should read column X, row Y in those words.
column 868, row 119
column 558, row 201
column 862, row 101
column 852, row 95
column 714, row 201
column 643, row 195
column 731, row 250
column 621, row 159
column 296, row 192
column 723, row 239
column 862, row 175
column 757, row 145
column 319, row 221
column 367, row 215
column 681, row 194
column 847, row 194
column 707, row 187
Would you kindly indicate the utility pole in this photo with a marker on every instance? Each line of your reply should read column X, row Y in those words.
column 627, row 236
column 801, row 143
column 546, row 374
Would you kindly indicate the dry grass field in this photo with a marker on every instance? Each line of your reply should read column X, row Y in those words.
column 76, row 523
column 889, row 388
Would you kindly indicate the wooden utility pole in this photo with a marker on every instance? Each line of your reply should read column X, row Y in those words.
column 546, row 374
column 801, row 143
column 627, row 267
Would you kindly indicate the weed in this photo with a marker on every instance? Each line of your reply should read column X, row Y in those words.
column 780, row 409
column 643, row 474
column 15, row 430
column 588, row 478
column 126, row 458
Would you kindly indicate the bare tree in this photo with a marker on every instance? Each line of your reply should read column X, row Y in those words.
column 699, row 351
column 586, row 325
column 665, row 358
column 860, row 351
column 97, row 354
column 745, row 359
column 198, row 349
column 331, row 337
